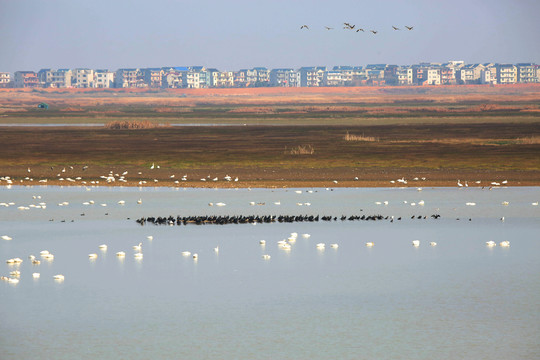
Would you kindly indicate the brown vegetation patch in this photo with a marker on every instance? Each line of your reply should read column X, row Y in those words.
column 133, row 125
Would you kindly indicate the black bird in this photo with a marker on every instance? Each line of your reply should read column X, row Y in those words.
column 304, row 27
column 409, row 27
column 360, row 29
column 328, row 28
column 395, row 28
column 373, row 31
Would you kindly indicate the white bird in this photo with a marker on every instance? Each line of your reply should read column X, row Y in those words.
column 195, row 256
column 505, row 243
column 306, row 236
column 266, row 257
column 138, row 247
column 459, row 183
column 92, row 256
column 138, row 256
column 262, row 242
column 534, row 203
column 220, row 204
column 35, row 275
column 120, row 254
column 320, row 246
column 370, row 244
column 6, row 237
column 216, row 249
column 103, row 247
column 416, row 243
column 59, row 277
column 433, row 243
column 121, row 202
column 186, row 253
column 150, row 237
column 334, row 246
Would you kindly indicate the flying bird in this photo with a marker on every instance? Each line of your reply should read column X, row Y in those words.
column 409, row 27
column 373, row 31
column 395, row 28
column 329, row 28
column 360, row 29
column 304, row 27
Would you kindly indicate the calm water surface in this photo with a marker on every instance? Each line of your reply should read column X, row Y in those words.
column 457, row 300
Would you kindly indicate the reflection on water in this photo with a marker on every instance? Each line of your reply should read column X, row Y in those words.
column 458, row 299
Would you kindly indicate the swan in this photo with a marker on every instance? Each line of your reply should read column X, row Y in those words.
column 320, row 246
column 195, row 256
column 36, row 275
column 334, row 246
column 505, row 243
column 534, row 203
column 122, row 202
column 139, row 201
column 103, row 247
column 285, row 246
column 13, row 281
column 370, row 244
column 262, row 242
column 266, row 257
column 505, row 203
column 138, row 255
column 186, row 253
column 216, row 249
column 6, row 237
column 138, row 247
column 92, row 256
column 433, row 243
column 416, row 243
column 120, row 254
column 59, row 277
column 150, row 237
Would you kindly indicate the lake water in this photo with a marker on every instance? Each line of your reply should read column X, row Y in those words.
column 457, row 300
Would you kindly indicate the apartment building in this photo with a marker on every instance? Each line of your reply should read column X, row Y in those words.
column 128, row 78
column 284, row 77
column 152, row 77
column 506, row 74
column 5, row 79
column 45, row 77
column 224, row 79
column 312, row 76
column 103, row 79
column 526, row 73
column 25, row 79
column 240, row 78
column 263, row 75
column 82, row 78
column 332, row 78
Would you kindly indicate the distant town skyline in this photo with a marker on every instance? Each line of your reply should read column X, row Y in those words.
column 243, row 34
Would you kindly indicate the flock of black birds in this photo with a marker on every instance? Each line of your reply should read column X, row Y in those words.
column 263, row 219
column 348, row 26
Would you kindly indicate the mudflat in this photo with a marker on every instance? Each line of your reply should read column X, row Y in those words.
column 274, row 137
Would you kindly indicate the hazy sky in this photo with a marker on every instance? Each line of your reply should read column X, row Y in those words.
column 236, row 34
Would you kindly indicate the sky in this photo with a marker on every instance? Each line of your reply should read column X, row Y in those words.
column 236, row 34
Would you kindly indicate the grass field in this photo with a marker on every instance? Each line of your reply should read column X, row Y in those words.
column 278, row 137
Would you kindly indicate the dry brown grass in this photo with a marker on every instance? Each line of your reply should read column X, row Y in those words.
column 302, row 150
column 132, row 125
column 532, row 140
column 349, row 137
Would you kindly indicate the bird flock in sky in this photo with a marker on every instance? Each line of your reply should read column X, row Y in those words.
column 352, row 27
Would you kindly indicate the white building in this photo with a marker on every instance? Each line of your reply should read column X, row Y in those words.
column 103, row 78
column 5, row 79
column 83, row 78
